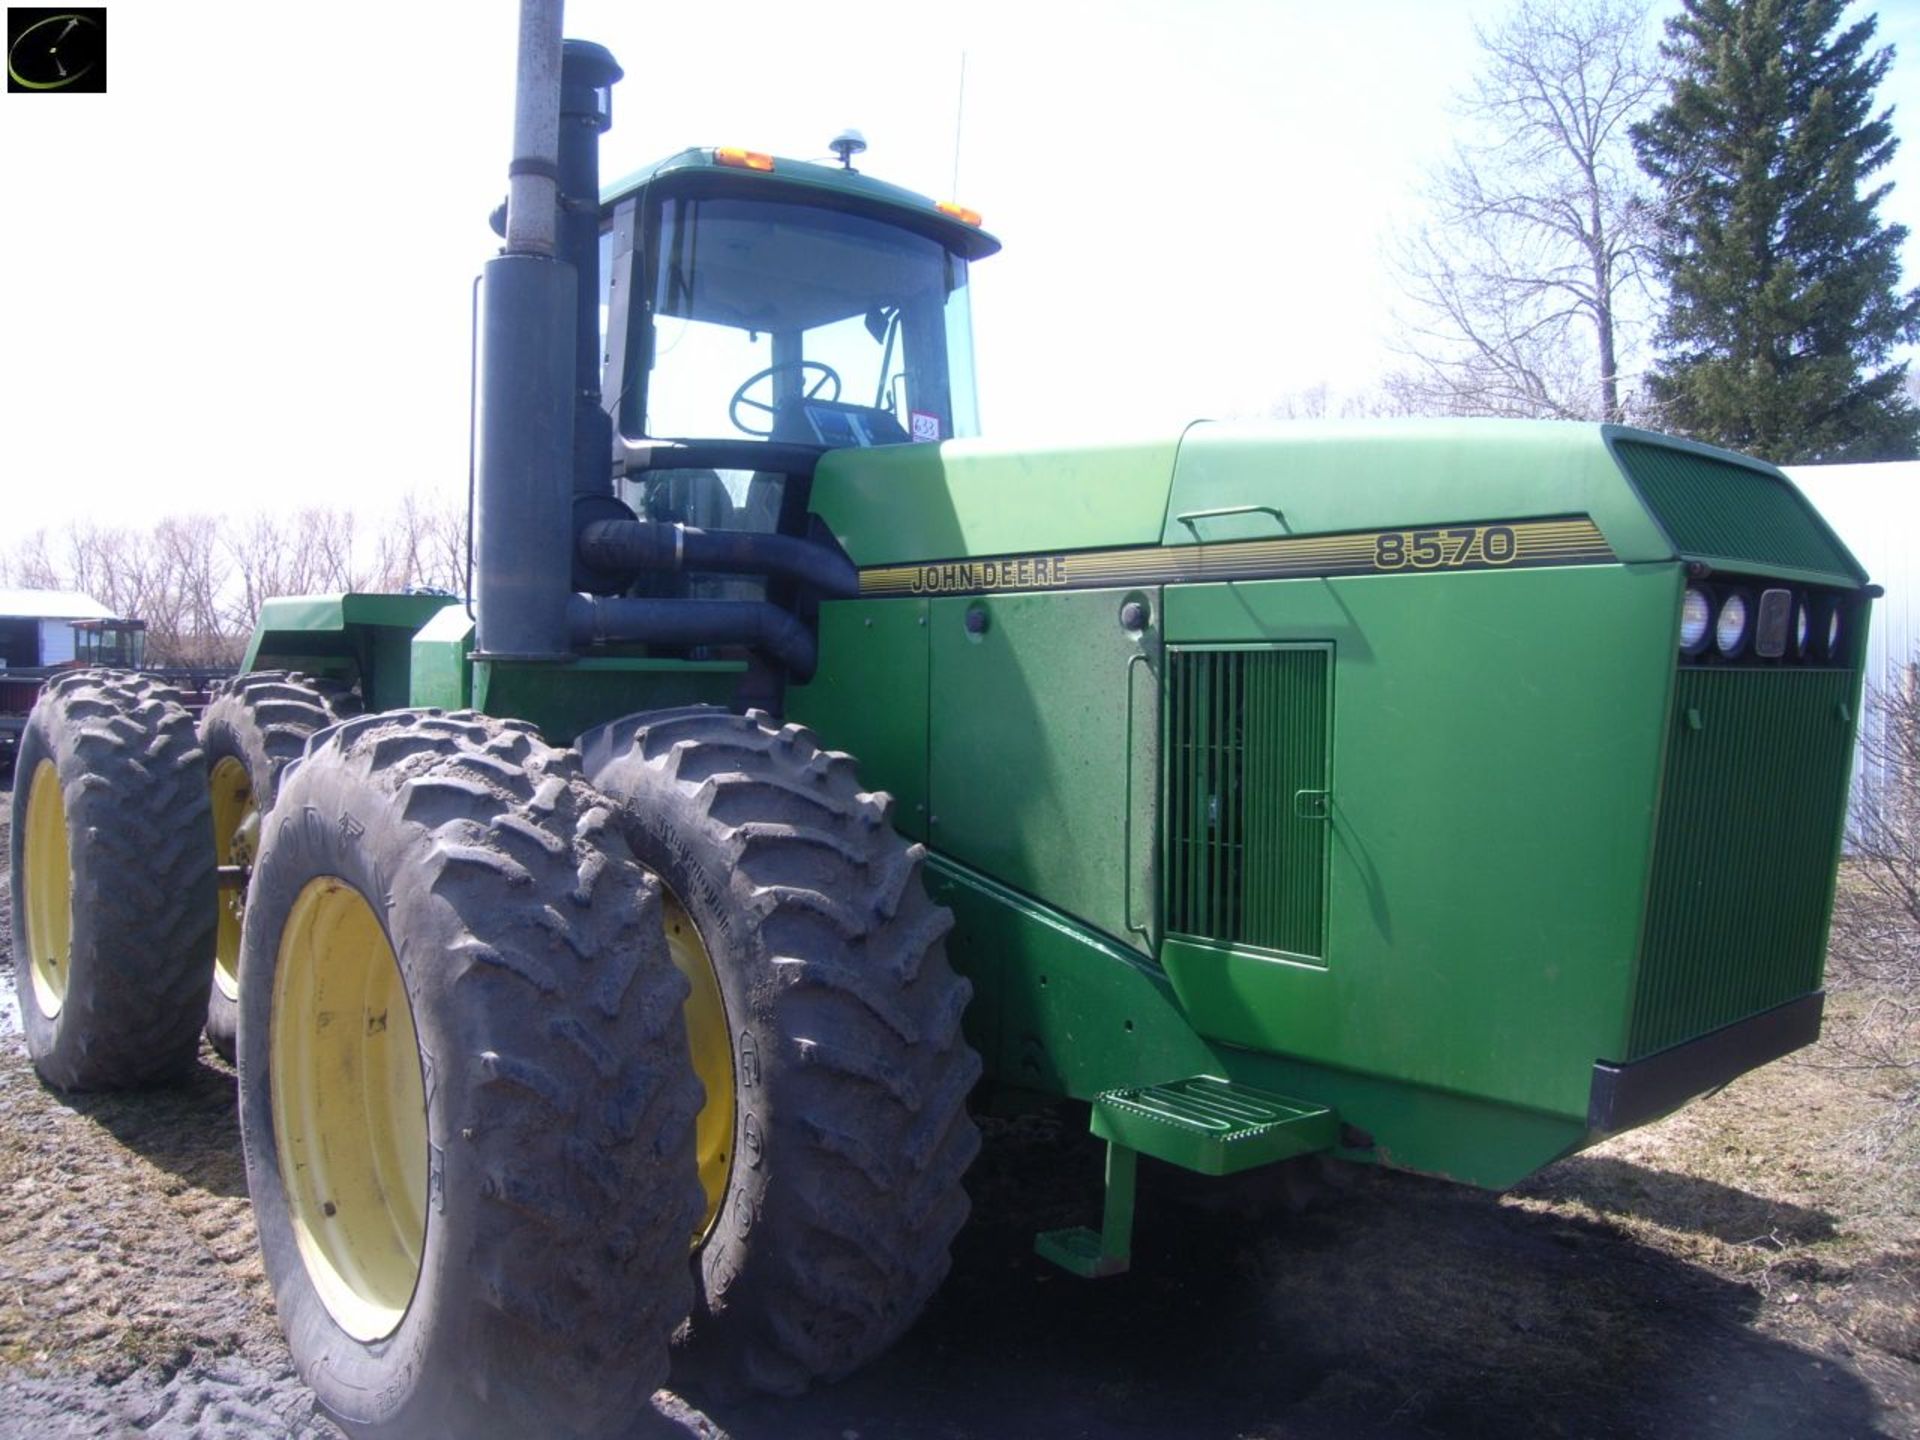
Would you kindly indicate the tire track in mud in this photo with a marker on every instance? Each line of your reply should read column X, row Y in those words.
column 131, row 1293
column 132, row 1300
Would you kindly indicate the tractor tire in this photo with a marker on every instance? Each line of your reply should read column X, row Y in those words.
column 113, row 882
column 833, row 1178
column 251, row 728
column 465, row 1098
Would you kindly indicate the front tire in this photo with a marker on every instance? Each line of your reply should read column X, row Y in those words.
column 113, row 882
column 252, row 729
column 834, row 1187
column 464, row 1090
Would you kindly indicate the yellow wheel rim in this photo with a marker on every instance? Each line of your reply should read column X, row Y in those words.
column 349, row 1109
column 49, row 883
column 233, row 807
column 711, row 1041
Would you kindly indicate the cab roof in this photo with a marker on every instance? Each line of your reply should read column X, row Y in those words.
column 698, row 172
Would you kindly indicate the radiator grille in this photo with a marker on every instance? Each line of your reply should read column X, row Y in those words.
column 1715, row 510
column 1246, row 849
column 1756, row 784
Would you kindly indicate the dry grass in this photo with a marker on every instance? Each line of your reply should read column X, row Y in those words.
column 1801, row 1180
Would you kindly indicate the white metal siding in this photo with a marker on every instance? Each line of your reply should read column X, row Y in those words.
column 56, row 642
column 1875, row 509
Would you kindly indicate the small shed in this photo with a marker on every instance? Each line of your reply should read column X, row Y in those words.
column 36, row 626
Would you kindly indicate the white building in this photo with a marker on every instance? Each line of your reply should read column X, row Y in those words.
column 36, row 626
column 1875, row 510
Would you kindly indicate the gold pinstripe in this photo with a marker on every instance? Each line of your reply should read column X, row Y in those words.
column 1566, row 541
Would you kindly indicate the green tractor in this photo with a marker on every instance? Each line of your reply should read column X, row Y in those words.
column 1439, row 796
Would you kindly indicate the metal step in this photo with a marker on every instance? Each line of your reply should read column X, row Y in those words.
column 1213, row 1126
column 1202, row 1123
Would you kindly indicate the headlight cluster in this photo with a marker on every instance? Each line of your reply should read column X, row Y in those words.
column 1759, row 622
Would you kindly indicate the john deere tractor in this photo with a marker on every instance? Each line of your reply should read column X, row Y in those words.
column 1438, row 796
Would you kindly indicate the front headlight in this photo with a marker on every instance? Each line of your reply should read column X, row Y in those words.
column 1730, row 631
column 1773, row 622
column 1802, row 629
column 1696, row 621
column 1833, row 633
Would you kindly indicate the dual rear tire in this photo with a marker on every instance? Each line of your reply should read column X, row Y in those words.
column 833, row 1188
column 544, row 933
column 113, row 882
column 488, row 1183
column 253, row 728
column 465, row 1096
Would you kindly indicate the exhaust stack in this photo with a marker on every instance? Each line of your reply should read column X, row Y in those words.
column 541, row 438
column 523, row 410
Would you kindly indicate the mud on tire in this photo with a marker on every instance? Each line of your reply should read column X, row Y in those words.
column 558, row 1187
column 111, row 866
column 850, row 1073
column 254, row 726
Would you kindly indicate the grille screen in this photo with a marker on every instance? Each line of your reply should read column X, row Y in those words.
column 1720, row 511
column 1756, row 784
column 1246, row 849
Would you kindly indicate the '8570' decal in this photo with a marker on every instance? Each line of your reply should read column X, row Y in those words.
column 1438, row 549
column 1453, row 548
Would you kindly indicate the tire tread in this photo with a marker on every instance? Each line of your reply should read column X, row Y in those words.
column 132, row 776
column 873, row 1076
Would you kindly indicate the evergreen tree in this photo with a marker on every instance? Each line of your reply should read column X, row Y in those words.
column 1784, row 300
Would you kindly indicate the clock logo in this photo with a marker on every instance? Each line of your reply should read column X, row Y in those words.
column 52, row 50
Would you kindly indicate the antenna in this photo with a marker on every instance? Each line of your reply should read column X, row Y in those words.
column 959, row 114
column 847, row 144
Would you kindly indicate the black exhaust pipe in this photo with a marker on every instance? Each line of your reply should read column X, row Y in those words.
column 541, row 438
column 523, row 407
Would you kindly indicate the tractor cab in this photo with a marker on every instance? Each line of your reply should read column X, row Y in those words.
column 116, row 644
column 749, row 298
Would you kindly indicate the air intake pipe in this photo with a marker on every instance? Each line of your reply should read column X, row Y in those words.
column 622, row 547
column 587, row 76
column 763, row 627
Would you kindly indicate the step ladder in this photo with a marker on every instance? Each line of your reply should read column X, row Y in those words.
column 1204, row 1124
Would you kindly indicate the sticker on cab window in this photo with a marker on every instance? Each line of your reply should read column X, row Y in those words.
column 925, row 426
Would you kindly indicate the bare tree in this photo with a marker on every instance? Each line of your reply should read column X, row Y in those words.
column 327, row 536
column 1320, row 401
column 116, row 566
column 31, row 566
column 424, row 545
column 445, row 553
column 187, row 594
column 1876, row 922
column 1529, row 284
column 199, row 581
column 173, row 576
column 310, row 552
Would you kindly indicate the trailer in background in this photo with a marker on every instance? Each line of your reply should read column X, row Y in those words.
column 43, row 632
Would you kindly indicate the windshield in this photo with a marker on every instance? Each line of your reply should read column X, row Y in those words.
column 801, row 324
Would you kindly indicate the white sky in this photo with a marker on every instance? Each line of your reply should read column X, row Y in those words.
column 240, row 279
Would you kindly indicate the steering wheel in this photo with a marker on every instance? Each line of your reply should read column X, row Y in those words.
column 808, row 392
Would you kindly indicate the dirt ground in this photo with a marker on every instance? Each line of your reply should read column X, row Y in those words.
column 1745, row 1269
